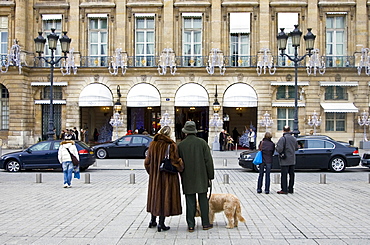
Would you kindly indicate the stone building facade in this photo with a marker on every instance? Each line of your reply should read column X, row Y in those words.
column 242, row 30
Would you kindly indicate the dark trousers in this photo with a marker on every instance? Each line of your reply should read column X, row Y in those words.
column 251, row 145
column 265, row 168
column 191, row 205
column 285, row 170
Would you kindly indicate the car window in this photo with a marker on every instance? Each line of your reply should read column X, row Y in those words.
column 137, row 140
column 42, row 146
column 301, row 144
column 319, row 144
column 145, row 141
column 56, row 145
column 125, row 140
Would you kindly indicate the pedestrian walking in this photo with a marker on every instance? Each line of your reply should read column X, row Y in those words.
column 64, row 158
column 267, row 147
column 286, row 146
column 164, row 198
column 197, row 175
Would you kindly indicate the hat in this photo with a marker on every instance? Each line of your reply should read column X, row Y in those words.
column 189, row 128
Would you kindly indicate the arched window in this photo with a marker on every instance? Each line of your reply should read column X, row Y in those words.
column 4, row 108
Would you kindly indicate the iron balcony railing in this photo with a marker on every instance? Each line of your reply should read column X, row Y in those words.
column 197, row 61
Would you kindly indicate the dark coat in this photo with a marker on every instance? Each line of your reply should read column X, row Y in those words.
column 268, row 149
column 198, row 163
column 164, row 198
column 291, row 146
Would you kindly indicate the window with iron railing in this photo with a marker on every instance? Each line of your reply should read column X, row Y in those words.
column 336, row 41
column 4, row 108
column 144, row 41
column 192, row 42
column 98, row 42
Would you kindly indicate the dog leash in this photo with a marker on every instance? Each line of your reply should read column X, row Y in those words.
column 210, row 189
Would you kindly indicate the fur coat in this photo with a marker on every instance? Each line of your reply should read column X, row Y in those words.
column 164, row 198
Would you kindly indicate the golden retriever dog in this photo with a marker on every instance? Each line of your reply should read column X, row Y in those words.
column 228, row 203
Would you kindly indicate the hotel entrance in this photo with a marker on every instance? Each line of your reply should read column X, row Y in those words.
column 197, row 114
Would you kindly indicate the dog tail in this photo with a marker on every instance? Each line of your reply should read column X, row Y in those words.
column 239, row 213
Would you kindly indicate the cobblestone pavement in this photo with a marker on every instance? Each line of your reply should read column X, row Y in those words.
column 111, row 210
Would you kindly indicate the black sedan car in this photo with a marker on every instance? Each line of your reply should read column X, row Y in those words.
column 365, row 160
column 44, row 155
column 135, row 145
column 313, row 153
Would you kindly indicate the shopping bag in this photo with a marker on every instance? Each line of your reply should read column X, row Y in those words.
column 258, row 158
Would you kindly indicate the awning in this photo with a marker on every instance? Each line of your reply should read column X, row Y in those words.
column 240, row 95
column 51, row 17
column 303, row 83
column 189, row 15
column 143, row 95
column 287, row 21
column 137, row 15
column 240, row 22
column 46, row 102
column 343, row 84
column 191, row 94
column 97, row 16
column 48, row 83
column 95, row 94
column 287, row 104
column 339, row 107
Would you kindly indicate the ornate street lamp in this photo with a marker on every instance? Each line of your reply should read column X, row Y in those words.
column 216, row 58
column 314, row 121
column 165, row 120
column 216, row 122
column 119, row 60
column 364, row 120
column 117, row 120
column 167, row 59
column 266, row 121
column 65, row 42
column 265, row 60
column 13, row 58
column 282, row 38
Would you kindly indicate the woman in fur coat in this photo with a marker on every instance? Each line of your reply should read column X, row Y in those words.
column 164, row 197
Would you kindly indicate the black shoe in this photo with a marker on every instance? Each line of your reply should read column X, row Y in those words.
column 259, row 191
column 290, row 191
column 267, row 192
column 207, row 227
column 191, row 229
column 162, row 227
column 152, row 224
column 282, row 192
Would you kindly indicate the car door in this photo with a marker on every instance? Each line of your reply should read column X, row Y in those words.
column 138, row 145
column 39, row 155
column 122, row 148
column 300, row 154
column 317, row 153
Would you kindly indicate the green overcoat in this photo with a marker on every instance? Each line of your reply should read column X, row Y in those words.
column 198, row 165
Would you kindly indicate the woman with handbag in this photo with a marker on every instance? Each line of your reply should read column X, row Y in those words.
column 66, row 148
column 164, row 198
column 267, row 147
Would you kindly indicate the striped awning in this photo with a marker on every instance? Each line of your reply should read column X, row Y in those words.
column 339, row 107
column 48, row 84
column 47, row 102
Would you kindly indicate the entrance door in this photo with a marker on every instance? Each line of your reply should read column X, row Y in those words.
column 144, row 119
column 197, row 114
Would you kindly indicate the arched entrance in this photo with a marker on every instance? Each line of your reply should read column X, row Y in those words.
column 143, row 108
column 96, row 101
column 239, row 108
column 192, row 103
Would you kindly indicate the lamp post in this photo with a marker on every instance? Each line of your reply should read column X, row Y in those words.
column 364, row 120
column 116, row 120
column 266, row 121
column 314, row 121
column 282, row 38
column 216, row 122
column 65, row 42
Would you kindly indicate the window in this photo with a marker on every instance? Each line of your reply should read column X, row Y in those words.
column 144, row 41
column 285, row 92
column 98, row 40
column 192, row 40
column 3, row 35
column 287, row 21
column 335, row 122
column 336, row 93
column 4, row 108
column 285, row 117
column 42, row 146
column 50, row 21
column 239, row 39
column 57, row 93
column 335, row 41
column 57, row 120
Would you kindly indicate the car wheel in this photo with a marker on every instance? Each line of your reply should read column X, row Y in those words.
column 256, row 168
column 146, row 152
column 13, row 166
column 101, row 153
column 337, row 164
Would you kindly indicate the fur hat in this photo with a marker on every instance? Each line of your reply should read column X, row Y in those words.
column 189, row 128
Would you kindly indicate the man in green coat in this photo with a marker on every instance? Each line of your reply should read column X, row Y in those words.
column 198, row 172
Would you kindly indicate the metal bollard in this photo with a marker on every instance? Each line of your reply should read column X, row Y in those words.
column 236, row 148
column 38, row 178
column 226, row 179
column 132, row 178
column 87, row 178
column 277, row 179
column 127, row 163
column 322, row 178
column 225, row 163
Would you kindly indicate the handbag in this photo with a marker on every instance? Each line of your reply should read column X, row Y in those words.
column 74, row 158
column 282, row 154
column 258, row 158
column 166, row 165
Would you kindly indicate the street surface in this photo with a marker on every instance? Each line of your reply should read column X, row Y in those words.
column 111, row 208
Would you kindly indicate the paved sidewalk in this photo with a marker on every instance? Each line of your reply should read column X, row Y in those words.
column 110, row 210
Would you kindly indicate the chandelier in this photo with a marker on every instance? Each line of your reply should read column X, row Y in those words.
column 119, row 60
column 315, row 63
column 167, row 59
column 265, row 60
column 364, row 120
column 13, row 58
column 314, row 121
column 266, row 121
column 364, row 61
column 216, row 58
column 165, row 120
column 69, row 64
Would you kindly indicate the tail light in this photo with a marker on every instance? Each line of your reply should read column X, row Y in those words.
column 355, row 153
column 83, row 151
